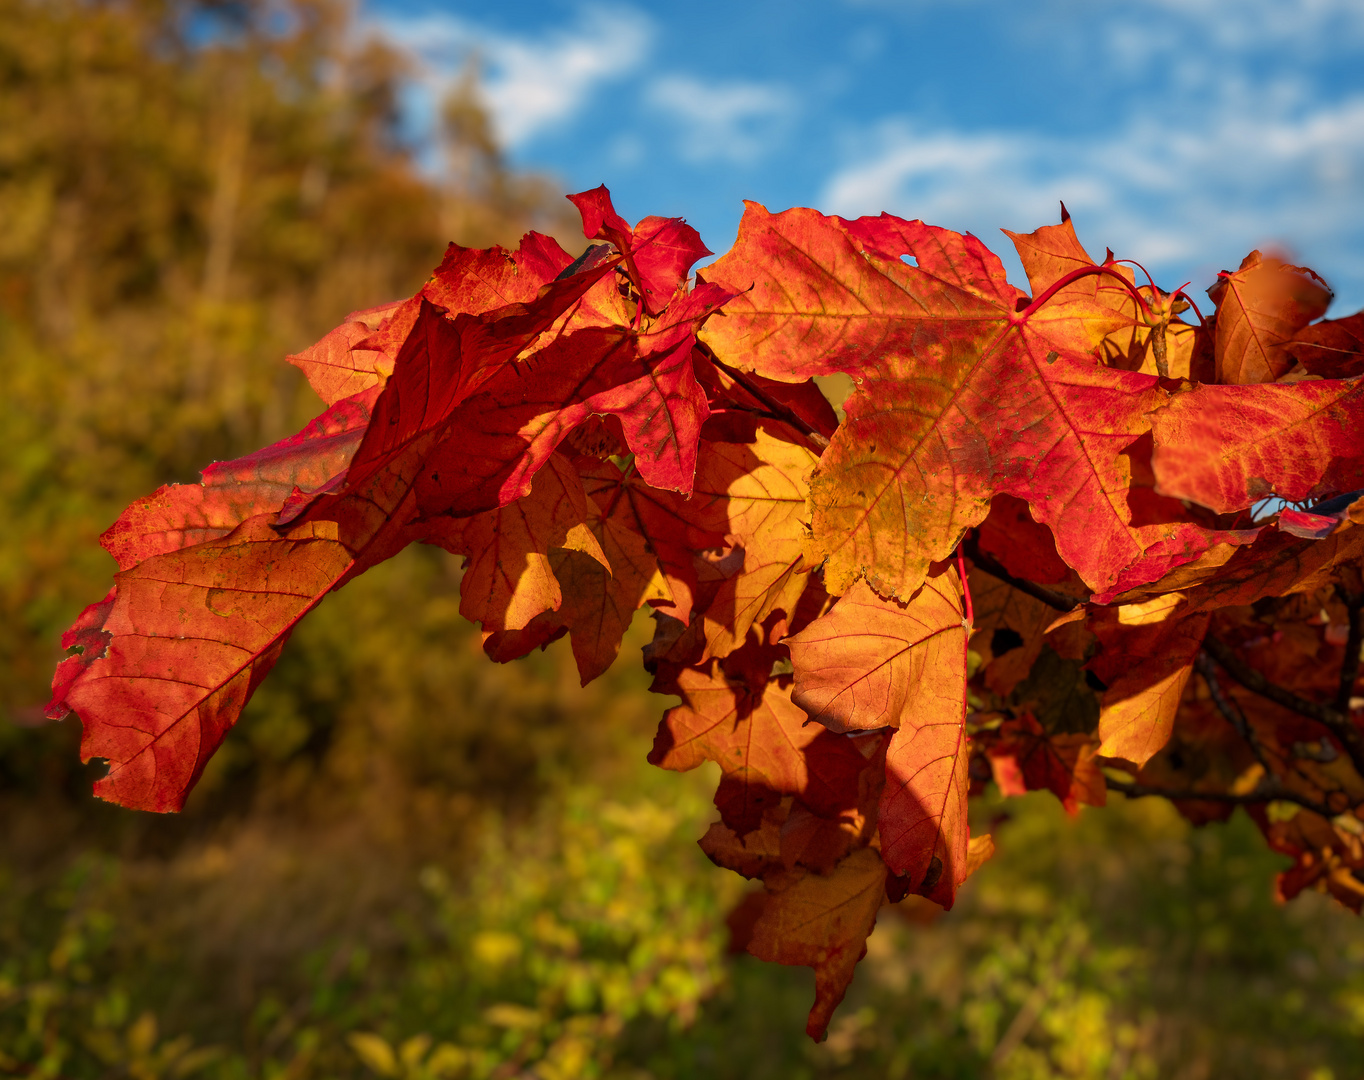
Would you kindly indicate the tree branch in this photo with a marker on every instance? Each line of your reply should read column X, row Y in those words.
column 1133, row 790
column 1230, row 711
column 1337, row 723
column 1349, row 668
column 1053, row 599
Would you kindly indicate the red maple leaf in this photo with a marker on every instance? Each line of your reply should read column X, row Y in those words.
column 965, row 390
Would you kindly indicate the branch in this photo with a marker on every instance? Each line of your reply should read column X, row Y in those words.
column 775, row 407
column 1053, row 599
column 1337, row 723
column 1349, row 668
column 1133, row 790
column 1230, row 710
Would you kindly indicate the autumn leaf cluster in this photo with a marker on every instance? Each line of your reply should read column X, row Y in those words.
column 1036, row 517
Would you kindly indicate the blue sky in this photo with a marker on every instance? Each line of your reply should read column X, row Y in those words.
column 1181, row 133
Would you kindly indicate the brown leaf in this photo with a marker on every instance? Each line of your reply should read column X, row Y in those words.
column 823, row 922
column 1260, row 307
column 762, row 743
column 1333, row 349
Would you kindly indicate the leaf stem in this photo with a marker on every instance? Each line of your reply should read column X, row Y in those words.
column 1077, row 275
column 1053, row 599
column 965, row 587
column 1190, row 301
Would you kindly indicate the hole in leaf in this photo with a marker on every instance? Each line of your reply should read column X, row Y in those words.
column 897, row 887
column 1266, row 508
column 910, row 260
column 1005, row 640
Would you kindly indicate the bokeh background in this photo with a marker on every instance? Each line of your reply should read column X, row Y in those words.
column 409, row 862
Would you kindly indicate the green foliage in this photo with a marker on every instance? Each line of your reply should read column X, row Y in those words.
column 587, row 940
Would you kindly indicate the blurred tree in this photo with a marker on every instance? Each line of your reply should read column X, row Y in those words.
column 190, row 190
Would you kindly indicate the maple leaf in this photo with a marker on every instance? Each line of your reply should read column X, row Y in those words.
column 1146, row 657
column 458, row 371
column 193, row 631
column 85, row 642
column 1123, row 333
column 1333, row 349
column 443, row 362
column 754, row 494
column 1008, row 631
column 216, row 575
column 823, row 922
column 1227, row 447
column 1100, row 305
column 756, row 853
column 593, row 435
column 1022, row 546
column 486, row 447
column 1279, row 563
column 600, row 598
column 1324, row 856
column 873, row 662
column 641, row 534
column 356, row 356
column 760, row 740
column 750, row 396
column 478, row 280
column 925, row 446
column 1026, row 758
column 1260, row 307
column 509, row 579
column 180, row 515
column 190, row 636
column 792, row 835
column 658, row 251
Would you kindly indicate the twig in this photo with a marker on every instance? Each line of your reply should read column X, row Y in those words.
column 1230, row 710
column 1349, row 668
column 1133, row 790
column 1053, row 599
column 1337, row 723
column 768, row 402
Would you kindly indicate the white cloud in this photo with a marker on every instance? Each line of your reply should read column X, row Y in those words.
column 722, row 121
column 1252, row 170
column 1257, row 24
column 532, row 83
